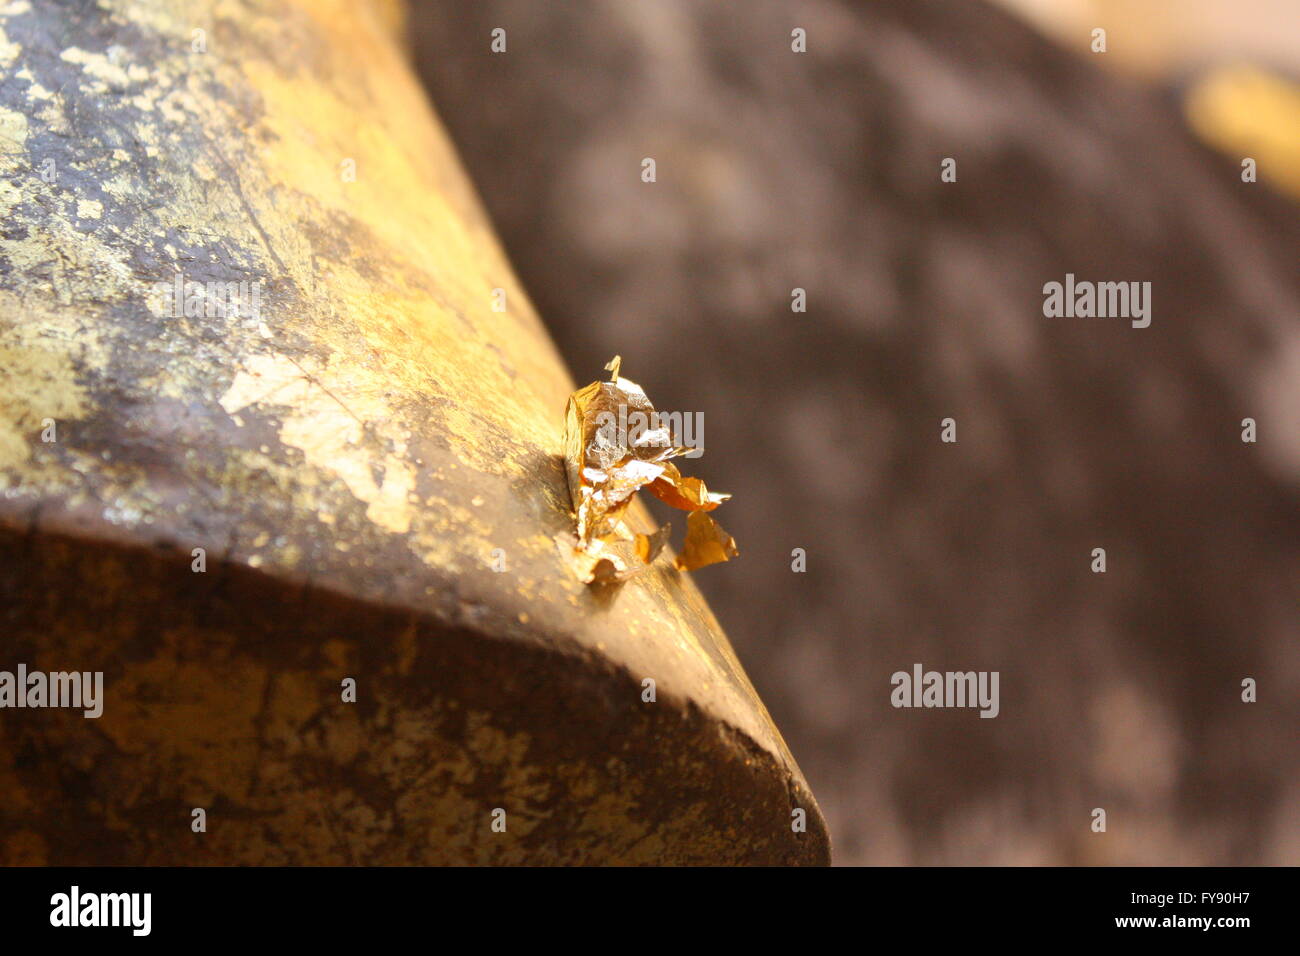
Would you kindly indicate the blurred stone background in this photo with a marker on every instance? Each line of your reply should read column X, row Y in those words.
column 821, row 171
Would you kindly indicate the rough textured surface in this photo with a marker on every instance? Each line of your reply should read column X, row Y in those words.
column 350, row 459
column 821, row 171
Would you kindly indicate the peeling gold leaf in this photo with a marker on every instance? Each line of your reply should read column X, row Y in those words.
column 706, row 543
column 685, row 492
column 648, row 546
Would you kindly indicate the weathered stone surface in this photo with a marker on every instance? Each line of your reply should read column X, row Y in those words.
column 349, row 459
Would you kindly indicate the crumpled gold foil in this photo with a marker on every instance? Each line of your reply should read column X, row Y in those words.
column 605, row 470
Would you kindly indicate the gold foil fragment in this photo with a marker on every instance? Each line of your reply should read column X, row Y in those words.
column 706, row 543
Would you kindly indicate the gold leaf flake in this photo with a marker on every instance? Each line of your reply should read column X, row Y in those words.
column 605, row 467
